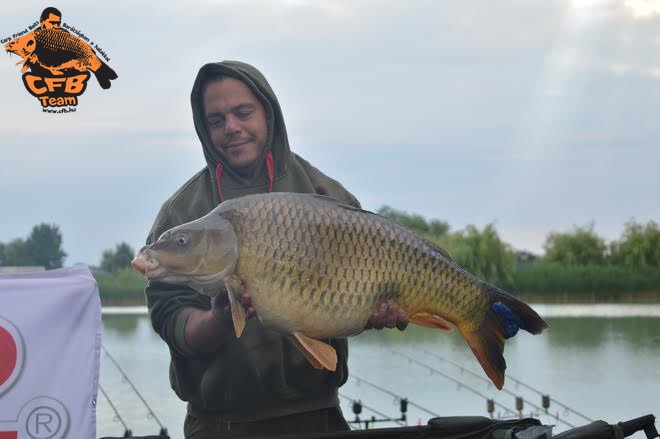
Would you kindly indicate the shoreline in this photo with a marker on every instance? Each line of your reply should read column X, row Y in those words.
column 650, row 297
column 600, row 310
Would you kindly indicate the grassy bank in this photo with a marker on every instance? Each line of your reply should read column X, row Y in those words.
column 125, row 287
column 550, row 282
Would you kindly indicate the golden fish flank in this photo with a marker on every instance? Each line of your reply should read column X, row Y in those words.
column 317, row 269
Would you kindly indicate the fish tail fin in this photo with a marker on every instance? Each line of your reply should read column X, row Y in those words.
column 104, row 74
column 504, row 316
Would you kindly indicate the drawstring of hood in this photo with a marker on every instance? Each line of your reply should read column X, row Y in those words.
column 270, row 169
column 218, row 178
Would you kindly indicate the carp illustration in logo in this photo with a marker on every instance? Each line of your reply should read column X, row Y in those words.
column 51, row 52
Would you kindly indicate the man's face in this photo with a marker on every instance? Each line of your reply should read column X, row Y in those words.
column 52, row 22
column 236, row 121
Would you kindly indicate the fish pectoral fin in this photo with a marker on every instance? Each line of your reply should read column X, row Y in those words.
column 233, row 283
column 320, row 354
column 429, row 320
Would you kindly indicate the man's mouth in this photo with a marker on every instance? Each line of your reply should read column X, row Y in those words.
column 236, row 144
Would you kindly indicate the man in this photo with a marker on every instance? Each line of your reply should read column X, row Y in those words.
column 50, row 18
column 258, row 383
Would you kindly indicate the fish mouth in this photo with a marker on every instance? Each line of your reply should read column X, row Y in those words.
column 140, row 265
column 149, row 272
column 147, row 266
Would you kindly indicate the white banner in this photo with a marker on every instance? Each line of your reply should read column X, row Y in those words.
column 50, row 341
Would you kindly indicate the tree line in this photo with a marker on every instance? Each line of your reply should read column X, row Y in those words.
column 43, row 248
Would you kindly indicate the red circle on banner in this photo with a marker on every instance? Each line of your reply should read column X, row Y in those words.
column 8, row 355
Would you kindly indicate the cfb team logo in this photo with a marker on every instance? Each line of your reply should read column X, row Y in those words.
column 42, row 417
column 59, row 62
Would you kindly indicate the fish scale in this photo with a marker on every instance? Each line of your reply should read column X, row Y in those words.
column 332, row 233
column 318, row 269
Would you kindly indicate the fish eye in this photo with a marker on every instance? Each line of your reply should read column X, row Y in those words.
column 182, row 239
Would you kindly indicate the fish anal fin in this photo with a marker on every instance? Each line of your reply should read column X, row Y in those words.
column 233, row 283
column 320, row 354
column 429, row 320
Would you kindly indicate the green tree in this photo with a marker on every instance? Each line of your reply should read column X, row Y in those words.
column 117, row 259
column 44, row 245
column 483, row 253
column 582, row 246
column 16, row 253
column 638, row 247
column 2, row 254
column 415, row 222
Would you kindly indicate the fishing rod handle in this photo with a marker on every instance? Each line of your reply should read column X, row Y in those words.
column 646, row 423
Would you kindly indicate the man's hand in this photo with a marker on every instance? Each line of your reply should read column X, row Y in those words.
column 220, row 304
column 205, row 330
column 388, row 315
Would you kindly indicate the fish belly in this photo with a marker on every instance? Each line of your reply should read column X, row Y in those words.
column 310, row 303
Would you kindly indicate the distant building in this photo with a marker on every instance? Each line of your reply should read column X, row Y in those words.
column 525, row 259
column 23, row 269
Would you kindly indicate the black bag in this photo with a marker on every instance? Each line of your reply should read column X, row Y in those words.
column 479, row 427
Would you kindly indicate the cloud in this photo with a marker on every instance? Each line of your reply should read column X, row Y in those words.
column 643, row 9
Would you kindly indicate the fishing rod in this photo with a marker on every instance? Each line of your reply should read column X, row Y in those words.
column 357, row 409
column 127, row 431
column 163, row 430
column 490, row 402
column 515, row 380
column 399, row 397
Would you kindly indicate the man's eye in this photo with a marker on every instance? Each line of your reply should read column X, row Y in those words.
column 216, row 122
column 243, row 114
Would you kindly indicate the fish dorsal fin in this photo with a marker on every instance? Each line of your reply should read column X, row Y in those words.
column 439, row 249
column 320, row 354
column 233, row 283
column 338, row 203
column 429, row 320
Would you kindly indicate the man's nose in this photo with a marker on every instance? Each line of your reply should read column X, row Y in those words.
column 231, row 124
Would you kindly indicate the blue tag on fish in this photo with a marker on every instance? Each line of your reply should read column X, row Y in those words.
column 511, row 322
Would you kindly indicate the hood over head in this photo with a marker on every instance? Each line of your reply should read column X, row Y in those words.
column 277, row 141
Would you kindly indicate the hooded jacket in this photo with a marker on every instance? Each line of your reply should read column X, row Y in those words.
column 262, row 374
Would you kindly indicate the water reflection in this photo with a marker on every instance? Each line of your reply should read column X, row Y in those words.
column 122, row 324
column 592, row 333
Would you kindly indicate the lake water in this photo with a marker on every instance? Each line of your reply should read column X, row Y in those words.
column 595, row 362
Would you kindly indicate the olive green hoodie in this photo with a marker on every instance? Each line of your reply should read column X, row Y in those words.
column 261, row 374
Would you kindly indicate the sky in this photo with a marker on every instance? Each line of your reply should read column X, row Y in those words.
column 535, row 116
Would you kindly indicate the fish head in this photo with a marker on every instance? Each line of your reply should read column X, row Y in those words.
column 23, row 46
column 199, row 254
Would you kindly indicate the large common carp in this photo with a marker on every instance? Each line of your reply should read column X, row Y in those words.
column 318, row 269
